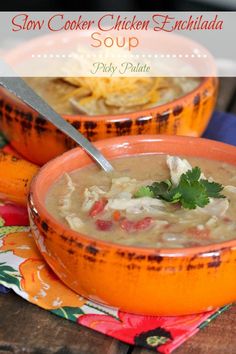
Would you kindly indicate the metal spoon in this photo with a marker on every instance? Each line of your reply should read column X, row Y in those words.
column 19, row 88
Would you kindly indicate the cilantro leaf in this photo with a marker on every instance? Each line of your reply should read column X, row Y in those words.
column 191, row 192
column 176, row 196
column 144, row 192
column 162, row 190
column 165, row 190
column 213, row 189
column 192, row 175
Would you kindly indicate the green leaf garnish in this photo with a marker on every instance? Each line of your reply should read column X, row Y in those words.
column 163, row 190
column 192, row 175
column 191, row 192
column 144, row 192
column 213, row 188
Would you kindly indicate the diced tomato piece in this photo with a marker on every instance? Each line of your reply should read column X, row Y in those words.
column 98, row 207
column 130, row 226
column 167, row 226
column 143, row 224
column 103, row 225
column 198, row 233
column 116, row 215
column 226, row 219
column 127, row 225
column 176, row 206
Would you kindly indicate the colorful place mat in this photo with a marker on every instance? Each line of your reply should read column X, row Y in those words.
column 23, row 270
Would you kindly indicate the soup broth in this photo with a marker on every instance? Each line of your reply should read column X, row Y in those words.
column 104, row 206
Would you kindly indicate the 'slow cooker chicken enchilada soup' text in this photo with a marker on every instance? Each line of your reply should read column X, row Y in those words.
column 153, row 200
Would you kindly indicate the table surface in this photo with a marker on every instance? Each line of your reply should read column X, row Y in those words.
column 25, row 328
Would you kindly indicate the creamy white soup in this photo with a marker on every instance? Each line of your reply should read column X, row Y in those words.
column 151, row 200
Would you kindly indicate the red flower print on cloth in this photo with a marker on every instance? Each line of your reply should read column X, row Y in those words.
column 156, row 333
column 14, row 215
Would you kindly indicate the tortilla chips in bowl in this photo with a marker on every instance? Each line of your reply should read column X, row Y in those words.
column 105, row 107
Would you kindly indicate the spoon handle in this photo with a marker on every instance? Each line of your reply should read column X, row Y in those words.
column 20, row 89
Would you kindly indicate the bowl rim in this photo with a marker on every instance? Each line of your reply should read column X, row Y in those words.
column 147, row 112
column 36, row 202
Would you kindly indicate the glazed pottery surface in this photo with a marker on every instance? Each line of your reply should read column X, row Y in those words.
column 26, row 130
column 137, row 280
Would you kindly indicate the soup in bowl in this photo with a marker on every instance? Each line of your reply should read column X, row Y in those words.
column 104, row 107
column 150, row 201
column 137, row 239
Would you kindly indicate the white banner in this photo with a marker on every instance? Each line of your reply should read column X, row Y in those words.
column 68, row 44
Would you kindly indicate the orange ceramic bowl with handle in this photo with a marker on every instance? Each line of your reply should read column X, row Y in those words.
column 137, row 280
column 26, row 130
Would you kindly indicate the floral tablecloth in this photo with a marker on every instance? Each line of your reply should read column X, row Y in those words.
column 23, row 270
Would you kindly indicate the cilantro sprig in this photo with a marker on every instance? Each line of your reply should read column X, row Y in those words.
column 191, row 192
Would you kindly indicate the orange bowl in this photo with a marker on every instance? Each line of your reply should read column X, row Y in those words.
column 138, row 280
column 26, row 130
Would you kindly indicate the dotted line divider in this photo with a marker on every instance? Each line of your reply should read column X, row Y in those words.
column 149, row 56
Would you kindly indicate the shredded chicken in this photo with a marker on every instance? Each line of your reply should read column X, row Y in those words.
column 230, row 189
column 74, row 222
column 122, row 184
column 65, row 207
column 91, row 195
column 157, row 224
column 135, row 206
column 177, row 167
column 65, row 200
column 212, row 221
column 216, row 207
